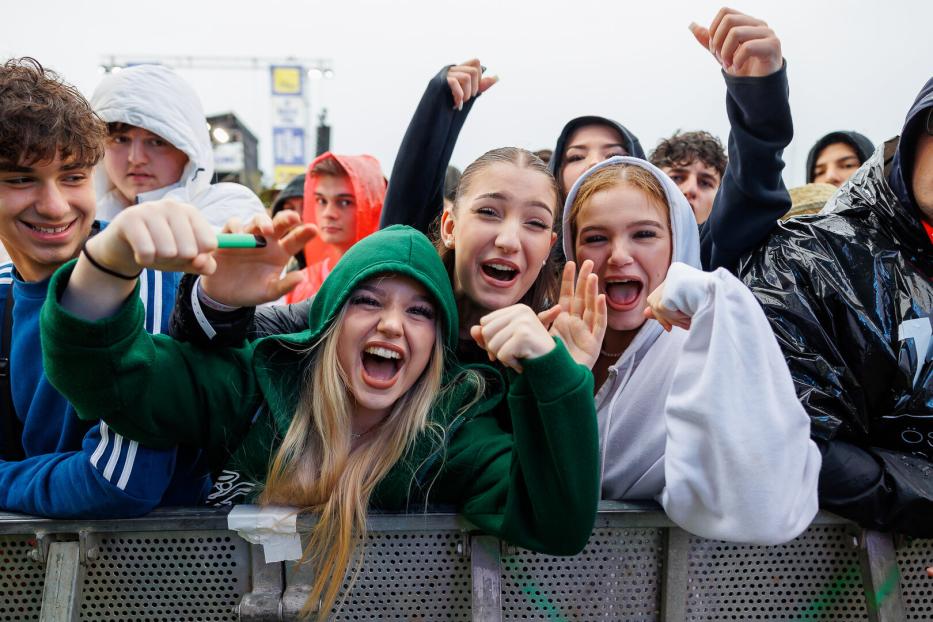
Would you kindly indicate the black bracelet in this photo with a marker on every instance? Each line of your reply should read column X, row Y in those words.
column 107, row 270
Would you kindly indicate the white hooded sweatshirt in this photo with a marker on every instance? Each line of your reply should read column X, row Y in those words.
column 158, row 100
column 706, row 421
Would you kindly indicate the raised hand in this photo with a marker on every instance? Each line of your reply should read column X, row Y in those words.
column 513, row 334
column 743, row 45
column 581, row 322
column 466, row 81
column 249, row 277
column 668, row 318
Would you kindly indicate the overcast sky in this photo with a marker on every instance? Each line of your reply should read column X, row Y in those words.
column 851, row 65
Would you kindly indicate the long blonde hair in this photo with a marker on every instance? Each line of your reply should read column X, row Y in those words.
column 315, row 469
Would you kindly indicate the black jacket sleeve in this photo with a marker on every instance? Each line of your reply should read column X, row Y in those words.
column 415, row 195
column 752, row 195
column 231, row 328
column 877, row 488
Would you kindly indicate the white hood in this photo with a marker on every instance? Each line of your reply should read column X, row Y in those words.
column 159, row 100
column 685, row 242
column 706, row 421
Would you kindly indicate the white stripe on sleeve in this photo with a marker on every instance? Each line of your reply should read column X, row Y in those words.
column 101, row 445
column 114, row 456
column 128, row 465
column 157, row 302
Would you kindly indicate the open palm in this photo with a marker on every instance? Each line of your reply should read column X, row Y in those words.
column 581, row 322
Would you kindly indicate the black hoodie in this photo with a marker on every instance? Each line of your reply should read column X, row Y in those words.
column 750, row 200
column 862, row 145
column 629, row 140
column 850, row 297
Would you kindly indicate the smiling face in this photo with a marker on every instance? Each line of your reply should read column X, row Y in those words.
column 626, row 233
column 137, row 161
column 335, row 210
column 502, row 230
column 385, row 341
column 46, row 213
column 587, row 146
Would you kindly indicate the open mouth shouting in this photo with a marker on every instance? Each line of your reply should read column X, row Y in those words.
column 623, row 293
column 500, row 272
column 381, row 364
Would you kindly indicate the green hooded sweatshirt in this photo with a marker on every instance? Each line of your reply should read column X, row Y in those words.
column 537, row 487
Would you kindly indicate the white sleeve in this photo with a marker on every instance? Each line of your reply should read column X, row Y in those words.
column 739, row 463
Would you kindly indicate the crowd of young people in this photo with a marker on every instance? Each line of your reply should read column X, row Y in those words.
column 521, row 342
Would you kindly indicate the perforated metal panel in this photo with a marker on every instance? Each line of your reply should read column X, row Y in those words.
column 916, row 586
column 815, row 577
column 614, row 578
column 168, row 577
column 21, row 580
column 411, row 576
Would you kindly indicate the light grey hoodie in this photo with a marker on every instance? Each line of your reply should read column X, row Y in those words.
column 157, row 99
column 706, row 421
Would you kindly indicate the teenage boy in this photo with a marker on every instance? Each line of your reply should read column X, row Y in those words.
column 343, row 197
column 52, row 463
column 696, row 162
column 159, row 147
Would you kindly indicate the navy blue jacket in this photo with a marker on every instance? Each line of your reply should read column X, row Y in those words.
column 71, row 468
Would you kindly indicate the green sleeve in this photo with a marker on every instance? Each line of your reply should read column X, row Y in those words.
column 539, row 486
column 149, row 388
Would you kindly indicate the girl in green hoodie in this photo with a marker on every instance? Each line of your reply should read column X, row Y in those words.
column 359, row 408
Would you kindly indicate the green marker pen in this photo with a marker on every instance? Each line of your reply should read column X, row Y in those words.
column 240, row 240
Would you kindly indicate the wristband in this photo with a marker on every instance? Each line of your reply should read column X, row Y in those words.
column 107, row 270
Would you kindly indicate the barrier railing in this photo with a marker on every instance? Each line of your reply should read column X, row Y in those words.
column 183, row 564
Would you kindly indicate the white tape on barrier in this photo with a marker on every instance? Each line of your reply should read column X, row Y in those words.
column 274, row 527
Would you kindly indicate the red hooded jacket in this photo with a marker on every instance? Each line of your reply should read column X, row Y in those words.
column 369, row 189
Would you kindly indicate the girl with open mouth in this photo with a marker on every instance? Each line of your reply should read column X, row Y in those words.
column 361, row 405
column 695, row 403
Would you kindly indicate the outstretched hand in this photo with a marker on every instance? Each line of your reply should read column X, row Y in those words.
column 581, row 322
column 249, row 277
column 466, row 81
column 743, row 45
column 164, row 235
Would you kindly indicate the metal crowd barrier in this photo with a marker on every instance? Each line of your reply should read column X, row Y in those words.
column 183, row 564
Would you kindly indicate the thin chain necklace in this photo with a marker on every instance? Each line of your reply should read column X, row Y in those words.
column 357, row 436
column 612, row 355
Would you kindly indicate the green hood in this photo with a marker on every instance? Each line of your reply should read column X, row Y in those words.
column 280, row 360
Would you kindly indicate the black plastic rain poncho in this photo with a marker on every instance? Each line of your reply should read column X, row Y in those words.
column 849, row 296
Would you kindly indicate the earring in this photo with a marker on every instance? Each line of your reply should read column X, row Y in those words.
column 448, row 243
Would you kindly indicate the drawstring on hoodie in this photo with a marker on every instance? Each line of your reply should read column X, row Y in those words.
column 613, row 371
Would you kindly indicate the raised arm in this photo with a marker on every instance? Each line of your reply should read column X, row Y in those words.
column 752, row 195
column 415, row 195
